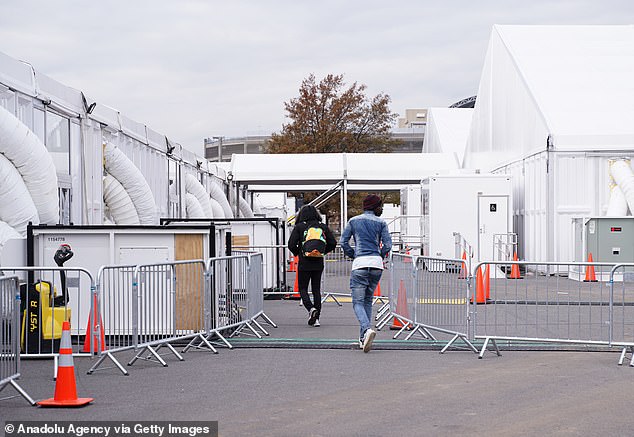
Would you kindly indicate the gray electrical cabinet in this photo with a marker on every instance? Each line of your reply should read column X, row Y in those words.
column 610, row 239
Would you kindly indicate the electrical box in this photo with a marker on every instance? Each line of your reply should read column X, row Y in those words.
column 610, row 239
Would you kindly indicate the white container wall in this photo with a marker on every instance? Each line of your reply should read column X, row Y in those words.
column 475, row 206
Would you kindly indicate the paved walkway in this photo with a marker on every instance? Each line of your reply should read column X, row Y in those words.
column 340, row 391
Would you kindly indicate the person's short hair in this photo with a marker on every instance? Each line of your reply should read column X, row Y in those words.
column 371, row 202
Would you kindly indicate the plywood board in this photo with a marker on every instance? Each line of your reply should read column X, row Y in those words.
column 189, row 282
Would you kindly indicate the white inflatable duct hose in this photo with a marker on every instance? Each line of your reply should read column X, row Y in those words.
column 245, row 209
column 7, row 233
column 194, row 187
column 119, row 204
column 617, row 207
column 193, row 208
column 257, row 207
column 621, row 172
column 30, row 157
column 216, row 193
column 16, row 206
column 218, row 212
column 124, row 170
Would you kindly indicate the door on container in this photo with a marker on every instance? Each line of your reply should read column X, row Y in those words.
column 493, row 219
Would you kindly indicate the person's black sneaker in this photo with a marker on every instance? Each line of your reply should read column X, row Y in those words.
column 312, row 316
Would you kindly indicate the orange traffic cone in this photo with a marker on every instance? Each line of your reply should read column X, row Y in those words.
column 487, row 283
column 65, row 389
column 89, row 329
column 463, row 266
column 515, row 269
column 293, row 266
column 401, row 308
column 590, row 276
column 377, row 292
column 479, row 294
column 296, row 294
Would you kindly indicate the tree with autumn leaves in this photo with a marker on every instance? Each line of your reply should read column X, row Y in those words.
column 328, row 117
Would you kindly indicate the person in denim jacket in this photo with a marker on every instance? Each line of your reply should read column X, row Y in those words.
column 372, row 244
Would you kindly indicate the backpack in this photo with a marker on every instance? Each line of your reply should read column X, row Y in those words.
column 314, row 242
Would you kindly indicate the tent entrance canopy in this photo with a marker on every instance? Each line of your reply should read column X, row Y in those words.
column 320, row 171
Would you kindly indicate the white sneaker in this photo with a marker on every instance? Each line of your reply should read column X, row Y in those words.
column 360, row 343
column 317, row 323
column 368, row 338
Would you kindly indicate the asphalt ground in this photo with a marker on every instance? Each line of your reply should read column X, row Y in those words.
column 337, row 390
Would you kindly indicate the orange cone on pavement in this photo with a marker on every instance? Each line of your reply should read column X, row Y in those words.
column 463, row 266
column 590, row 275
column 377, row 292
column 296, row 294
column 293, row 264
column 515, row 269
column 65, row 388
column 479, row 294
column 91, row 328
column 401, row 308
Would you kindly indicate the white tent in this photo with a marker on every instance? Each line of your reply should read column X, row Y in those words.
column 554, row 104
column 337, row 171
column 447, row 130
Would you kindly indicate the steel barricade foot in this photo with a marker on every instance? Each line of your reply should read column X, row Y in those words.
column 332, row 296
column 485, row 345
column 95, row 367
column 156, row 356
column 384, row 322
column 623, row 355
column 264, row 331
column 21, row 391
column 202, row 340
column 464, row 339
column 267, row 319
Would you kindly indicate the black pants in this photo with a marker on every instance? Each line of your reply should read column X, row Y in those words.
column 304, row 277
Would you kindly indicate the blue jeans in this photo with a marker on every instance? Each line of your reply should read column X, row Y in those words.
column 363, row 282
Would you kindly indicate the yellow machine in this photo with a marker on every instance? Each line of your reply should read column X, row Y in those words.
column 45, row 312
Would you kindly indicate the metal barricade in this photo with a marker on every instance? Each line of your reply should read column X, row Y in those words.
column 115, row 297
column 429, row 294
column 336, row 276
column 50, row 296
column 547, row 303
column 254, row 305
column 273, row 269
column 9, row 335
column 622, row 309
column 335, row 279
column 235, row 284
column 149, row 306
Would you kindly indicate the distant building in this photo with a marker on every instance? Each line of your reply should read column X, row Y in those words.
column 220, row 149
column 410, row 130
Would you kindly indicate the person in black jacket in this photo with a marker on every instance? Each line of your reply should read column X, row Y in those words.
column 310, row 240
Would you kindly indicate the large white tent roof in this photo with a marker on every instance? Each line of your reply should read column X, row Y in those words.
column 447, row 130
column 322, row 169
column 572, row 84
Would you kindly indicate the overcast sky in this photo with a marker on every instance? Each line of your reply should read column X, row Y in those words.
column 197, row 69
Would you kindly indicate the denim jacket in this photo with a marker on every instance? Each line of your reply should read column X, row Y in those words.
column 368, row 231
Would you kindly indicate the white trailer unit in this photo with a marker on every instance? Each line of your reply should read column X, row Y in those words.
column 477, row 206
